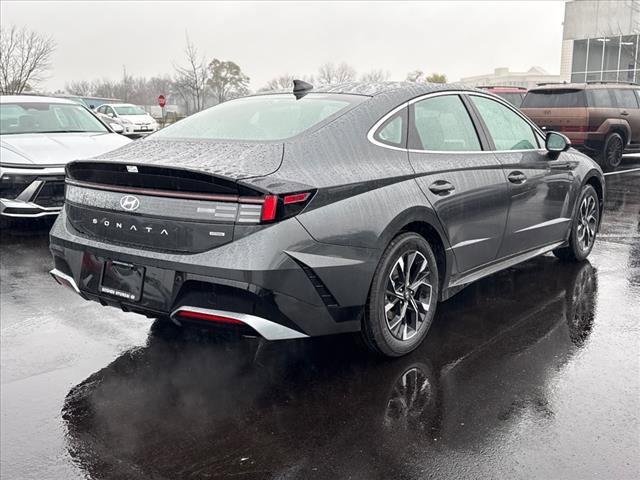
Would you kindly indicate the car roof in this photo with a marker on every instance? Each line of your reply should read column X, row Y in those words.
column 582, row 86
column 120, row 104
column 399, row 90
column 35, row 99
column 503, row 89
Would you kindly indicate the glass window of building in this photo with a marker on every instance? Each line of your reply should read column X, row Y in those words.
column 611, row 59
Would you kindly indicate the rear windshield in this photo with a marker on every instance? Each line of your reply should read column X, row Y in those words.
column 556, row 98
column 263, row 117
column 514, row 98
column 42, row 117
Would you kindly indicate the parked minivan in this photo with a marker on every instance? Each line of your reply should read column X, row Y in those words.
column 601, row 119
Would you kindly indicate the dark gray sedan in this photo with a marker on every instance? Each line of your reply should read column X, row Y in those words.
column 347, row 208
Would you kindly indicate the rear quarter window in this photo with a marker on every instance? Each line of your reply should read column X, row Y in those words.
column 555, row 98
column 625, row 98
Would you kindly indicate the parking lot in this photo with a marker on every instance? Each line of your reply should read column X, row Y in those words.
column 530, row 373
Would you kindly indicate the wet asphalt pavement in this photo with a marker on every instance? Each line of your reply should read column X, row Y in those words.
column 531, row 373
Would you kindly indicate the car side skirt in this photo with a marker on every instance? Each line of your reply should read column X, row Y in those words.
column 502, row 264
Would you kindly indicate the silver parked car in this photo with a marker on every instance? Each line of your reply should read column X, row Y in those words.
column 38, row 136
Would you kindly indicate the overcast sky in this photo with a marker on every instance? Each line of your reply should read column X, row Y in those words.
column 267, row 39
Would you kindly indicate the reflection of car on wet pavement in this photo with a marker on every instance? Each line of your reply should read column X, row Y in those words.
column 39, row 135
column 310, row 213
column 287, row 407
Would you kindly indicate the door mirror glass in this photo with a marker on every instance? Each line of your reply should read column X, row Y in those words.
column 557, row 142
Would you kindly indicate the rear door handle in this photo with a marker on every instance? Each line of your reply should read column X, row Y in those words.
column 441, row 187
column 517, row 177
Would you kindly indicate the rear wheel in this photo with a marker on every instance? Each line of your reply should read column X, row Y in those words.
column 403, row 297
column 611, row 155
column 583, row 229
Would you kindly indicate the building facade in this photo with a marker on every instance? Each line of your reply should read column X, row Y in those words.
column 601, row 41
column 503, row 77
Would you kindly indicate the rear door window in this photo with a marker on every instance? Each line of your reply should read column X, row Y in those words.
column 442, row 124
column 600, row 98
column 554, row 98
column 508, row 129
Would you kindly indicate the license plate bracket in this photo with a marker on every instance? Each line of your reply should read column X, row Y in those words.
column 122, row 280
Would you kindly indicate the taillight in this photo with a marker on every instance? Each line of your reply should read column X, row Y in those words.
column 279, row 207
column 269, row 208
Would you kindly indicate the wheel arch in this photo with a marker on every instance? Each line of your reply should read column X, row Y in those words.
column 424, row 222
column 596, row 180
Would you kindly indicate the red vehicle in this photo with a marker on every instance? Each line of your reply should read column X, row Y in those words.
column 513, row 95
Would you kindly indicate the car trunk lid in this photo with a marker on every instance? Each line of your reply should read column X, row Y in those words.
column 182, row 199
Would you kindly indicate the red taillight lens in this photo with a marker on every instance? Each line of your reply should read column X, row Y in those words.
column 208, row 317
column 279, row 207
column 269, row 208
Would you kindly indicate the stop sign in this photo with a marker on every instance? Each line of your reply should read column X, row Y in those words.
column 162, row 101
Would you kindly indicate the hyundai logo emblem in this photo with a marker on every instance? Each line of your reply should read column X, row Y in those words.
column 129, row 203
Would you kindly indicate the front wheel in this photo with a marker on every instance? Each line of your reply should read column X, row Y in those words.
column 403, row 297
column 583, row 229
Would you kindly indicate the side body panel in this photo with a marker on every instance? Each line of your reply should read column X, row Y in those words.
column 474, row 214
column 540, row 208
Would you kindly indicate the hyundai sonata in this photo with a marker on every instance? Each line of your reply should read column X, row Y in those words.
column 349, row 208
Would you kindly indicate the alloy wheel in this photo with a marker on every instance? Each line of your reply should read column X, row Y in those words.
column 614, row 151
column 587, row 222
column 408, row 295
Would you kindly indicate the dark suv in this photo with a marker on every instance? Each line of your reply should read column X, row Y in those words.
column 601, row 119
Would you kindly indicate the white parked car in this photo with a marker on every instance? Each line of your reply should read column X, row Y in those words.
column 38, row 137
column 134, row 120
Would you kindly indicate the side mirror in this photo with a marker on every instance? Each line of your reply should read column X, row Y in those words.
column 116, row 127
column 111, row 114
column 556, row 142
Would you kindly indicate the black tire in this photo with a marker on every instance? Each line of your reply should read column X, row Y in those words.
column 611, row 155
column 419, row 294
column 584, row 227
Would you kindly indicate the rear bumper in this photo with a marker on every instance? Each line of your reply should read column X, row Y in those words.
column 31, row 192
column 256, row 280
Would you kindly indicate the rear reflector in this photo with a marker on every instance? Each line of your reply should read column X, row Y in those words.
column 573, row 129
column 296, row 198
column 208, row 317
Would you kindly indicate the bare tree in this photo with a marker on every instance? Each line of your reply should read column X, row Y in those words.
column 83, row 88
column 375, row 76
column 415, row 76
column 227, row 80
column 190, row 82
column 282, row 82
column 330, row 73
column 25, row 57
